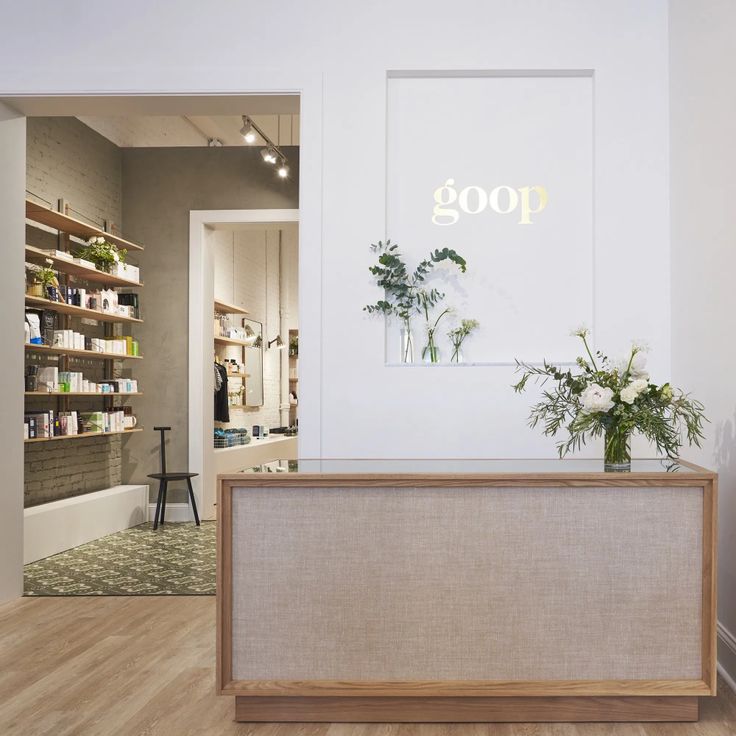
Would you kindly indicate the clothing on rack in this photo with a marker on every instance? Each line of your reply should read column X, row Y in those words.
column 222, row 408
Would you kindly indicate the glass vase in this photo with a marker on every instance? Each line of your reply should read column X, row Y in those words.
column 407, row 345
column 430, row 352
column 457, row 355
column 617, row 450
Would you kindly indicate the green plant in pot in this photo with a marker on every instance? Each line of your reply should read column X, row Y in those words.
column 42, row 277
column 102, row 253
column 611, row 400
column 458, row 335
column 404, row 290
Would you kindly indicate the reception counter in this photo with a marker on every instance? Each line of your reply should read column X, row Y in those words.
column 484, row 590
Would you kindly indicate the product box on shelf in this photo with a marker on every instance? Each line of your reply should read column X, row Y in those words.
column 126, row 271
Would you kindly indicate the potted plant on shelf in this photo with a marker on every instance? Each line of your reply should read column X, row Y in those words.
column 44, row 281
column 611, row 400
column 404, row 291
column 103, row 254
column 457, row 337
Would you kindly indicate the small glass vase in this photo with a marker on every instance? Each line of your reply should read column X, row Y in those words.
column 407, row 345
column 617, row 450
column 457, row 356
column 430, row 352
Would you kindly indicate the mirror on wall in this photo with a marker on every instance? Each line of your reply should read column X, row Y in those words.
column 254, row 364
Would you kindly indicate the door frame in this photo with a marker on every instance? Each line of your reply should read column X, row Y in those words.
column 151, row 93
column 201, row 297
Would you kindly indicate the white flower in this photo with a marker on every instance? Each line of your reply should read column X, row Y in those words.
column 630, row 393
column 595, row 398
column 637, row 369
column 641, row 346
column 580, row 331
column 100, row 240
column 116, row 257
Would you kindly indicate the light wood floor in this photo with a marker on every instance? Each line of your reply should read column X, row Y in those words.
column 145, row 666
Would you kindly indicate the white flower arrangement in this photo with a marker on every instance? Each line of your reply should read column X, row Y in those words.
column 612, row 399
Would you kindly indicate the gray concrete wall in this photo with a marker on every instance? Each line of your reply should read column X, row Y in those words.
column 160, row 187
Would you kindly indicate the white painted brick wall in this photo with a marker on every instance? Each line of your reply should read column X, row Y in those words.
column 247, row 273
column 66, row 159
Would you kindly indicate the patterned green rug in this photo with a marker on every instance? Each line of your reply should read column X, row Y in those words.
column 176, row 559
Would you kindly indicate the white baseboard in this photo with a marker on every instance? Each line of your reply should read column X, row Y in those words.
column 727, row 655
column 60, row 525
column 174, row 512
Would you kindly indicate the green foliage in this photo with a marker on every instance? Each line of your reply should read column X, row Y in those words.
column 659, row 412
column 103, row 254
column 44, row 275
column 405, row 294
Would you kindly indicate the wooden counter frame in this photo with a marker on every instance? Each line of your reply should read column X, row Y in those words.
column 279, row 698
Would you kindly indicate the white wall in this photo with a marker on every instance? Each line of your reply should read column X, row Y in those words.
column 625, row 43
column 12, row 281
column 703, row 189
column 357, row 405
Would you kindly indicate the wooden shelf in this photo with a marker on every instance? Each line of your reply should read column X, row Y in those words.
column 238, row 375
column 83, row 435
column 84, row 393
column 80, row 353
column 46, row 216
column 225, row 308
column 41, row 303
column 232, row 341
column 91, row 274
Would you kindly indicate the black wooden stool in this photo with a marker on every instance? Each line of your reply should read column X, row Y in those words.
column 163, row 481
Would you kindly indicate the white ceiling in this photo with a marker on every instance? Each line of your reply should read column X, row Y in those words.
column 142, row 131
column 171, row 120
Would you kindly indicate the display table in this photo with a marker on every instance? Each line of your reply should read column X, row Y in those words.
column 493, row 590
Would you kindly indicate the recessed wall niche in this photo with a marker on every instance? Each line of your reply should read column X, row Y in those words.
column 498, row 166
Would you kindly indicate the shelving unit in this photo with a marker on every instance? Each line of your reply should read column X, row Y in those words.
column 231, row 341
column 88, row 394
column 72, row 226
column 67, row 269
column 293, row 378
column 77, row 269
column 39, row 302
column 80, row 353
column 83, row 435
column 225, row 308
column 222, row 308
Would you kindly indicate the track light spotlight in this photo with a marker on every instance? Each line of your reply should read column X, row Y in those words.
column 249, row 135
column 269, row 155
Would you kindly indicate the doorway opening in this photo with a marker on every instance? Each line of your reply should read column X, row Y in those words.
column 108, row 344
column 244, row 267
